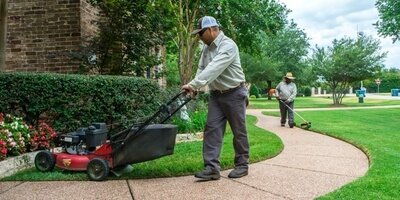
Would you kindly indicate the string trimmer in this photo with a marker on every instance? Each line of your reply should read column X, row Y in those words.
column 306, row 124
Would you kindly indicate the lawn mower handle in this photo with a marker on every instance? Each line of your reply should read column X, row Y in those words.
column 163, row 108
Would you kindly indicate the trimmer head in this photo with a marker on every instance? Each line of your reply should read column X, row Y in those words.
column 305, row 125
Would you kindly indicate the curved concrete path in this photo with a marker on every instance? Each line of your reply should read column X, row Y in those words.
column 310, row 165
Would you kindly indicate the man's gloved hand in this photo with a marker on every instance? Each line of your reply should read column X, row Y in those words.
column 287, row 101
column 190, row 91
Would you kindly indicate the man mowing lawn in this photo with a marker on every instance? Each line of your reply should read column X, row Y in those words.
column 220, row 69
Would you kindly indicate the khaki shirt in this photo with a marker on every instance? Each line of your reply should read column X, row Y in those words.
column 219, row 65
column 286, row 91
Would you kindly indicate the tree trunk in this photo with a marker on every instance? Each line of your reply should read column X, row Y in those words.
column 186, row 55
column 339, row 92
column 186, row 43
column 269, row 87
column 334, row 93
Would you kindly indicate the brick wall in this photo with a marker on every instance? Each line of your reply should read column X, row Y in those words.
column 88, row 16
column 42, row 35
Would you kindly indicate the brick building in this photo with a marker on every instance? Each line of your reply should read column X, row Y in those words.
column 41, row 35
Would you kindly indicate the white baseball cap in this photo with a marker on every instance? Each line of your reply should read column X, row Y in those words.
column 205, row 22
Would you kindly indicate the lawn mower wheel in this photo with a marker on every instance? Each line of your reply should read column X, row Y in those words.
column 44, row 161
column 98, row 169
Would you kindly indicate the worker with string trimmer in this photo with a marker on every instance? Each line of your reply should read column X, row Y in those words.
column 285, row 93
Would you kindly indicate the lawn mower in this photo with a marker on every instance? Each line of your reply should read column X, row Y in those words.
column 306, row 124
column 88, row 149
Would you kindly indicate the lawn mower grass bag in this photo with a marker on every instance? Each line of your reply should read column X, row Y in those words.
column 154, row 141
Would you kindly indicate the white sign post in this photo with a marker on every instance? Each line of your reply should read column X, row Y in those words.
column 378, row 82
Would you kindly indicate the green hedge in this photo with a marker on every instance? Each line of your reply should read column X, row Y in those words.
column 71, row 101
column 387, row 84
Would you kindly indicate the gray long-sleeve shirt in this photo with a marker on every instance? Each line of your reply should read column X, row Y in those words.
column 286, row 91
column 219, row 65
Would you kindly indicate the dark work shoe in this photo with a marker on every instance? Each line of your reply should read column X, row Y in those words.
column 292, row 125
column 238, row 172
column 208, row 174
column 282, row 125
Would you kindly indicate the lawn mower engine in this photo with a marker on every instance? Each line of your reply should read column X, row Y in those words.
column 86, row 149
column 84, row 140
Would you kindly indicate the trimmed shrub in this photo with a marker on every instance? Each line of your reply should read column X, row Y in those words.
column 307, row 92
column 67, row 102
column 254, row 91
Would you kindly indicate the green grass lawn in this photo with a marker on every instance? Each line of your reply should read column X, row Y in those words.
column 320, row 102
column 187, row 159
column 376, row 132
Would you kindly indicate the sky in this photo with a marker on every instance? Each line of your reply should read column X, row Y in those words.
column 325, row 20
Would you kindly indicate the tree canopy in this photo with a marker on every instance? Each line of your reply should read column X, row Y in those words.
column 347, row 61
column 389, row 14
column 130, row 33
column 129, row 36
column 280, row 53
column 287, row 49
column 242, row 20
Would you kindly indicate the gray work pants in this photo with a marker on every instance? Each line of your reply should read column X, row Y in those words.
column 286, row 112
column 227, row 107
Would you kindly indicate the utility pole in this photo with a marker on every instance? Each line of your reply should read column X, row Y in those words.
column 3, row 33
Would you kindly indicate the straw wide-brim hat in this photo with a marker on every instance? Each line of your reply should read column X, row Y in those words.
column 289, row 75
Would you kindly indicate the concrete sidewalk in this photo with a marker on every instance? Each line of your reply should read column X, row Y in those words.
column 310, row 165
